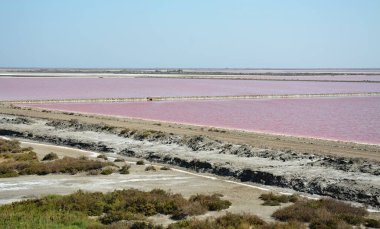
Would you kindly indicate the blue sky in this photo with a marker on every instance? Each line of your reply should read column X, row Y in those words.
column 190, row 33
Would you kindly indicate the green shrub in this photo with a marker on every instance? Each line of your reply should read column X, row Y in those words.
column 50, row 157
column 140, row 162
column 107, row 171
column 10, row 146
column 7, row 172
column 211, row 203
column 271, row 199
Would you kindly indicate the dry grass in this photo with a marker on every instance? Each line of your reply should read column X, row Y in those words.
column 272, row 199
column 324, row 213
column 238, row 221
column 150, row 168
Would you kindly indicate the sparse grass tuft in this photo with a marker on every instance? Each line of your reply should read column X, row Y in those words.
column 140, row 162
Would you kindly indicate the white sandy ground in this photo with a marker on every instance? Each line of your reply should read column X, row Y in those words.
column 244, row 197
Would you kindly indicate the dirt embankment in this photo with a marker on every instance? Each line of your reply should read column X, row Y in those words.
column 344, row 178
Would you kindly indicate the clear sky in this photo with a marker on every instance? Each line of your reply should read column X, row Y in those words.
column 190, row 33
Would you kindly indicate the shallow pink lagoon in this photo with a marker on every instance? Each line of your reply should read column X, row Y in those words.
column 348, row 119
column 84, row 88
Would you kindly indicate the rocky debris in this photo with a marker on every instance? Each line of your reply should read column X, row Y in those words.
column 347, row 189
column 349, row 164
column 198, row 142
column 128, row 153
column 343, row 178
column 78, row 126
column 17, row 120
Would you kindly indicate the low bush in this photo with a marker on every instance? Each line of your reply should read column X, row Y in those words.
column 125, row 169
column 372, row 223
column 119, row 160
column 50, row 157
column 102, row 156
column 11, row 146
column 65, row 165
column 140, row 162
column 94, row 172
column 145, row 225
column 240, row 221
column 271, row 199
column 57, row 211
column 7, row 172
column 322, row 213
column 212, row 203
column 165, row 168
column 150, row 168
column 107, row 171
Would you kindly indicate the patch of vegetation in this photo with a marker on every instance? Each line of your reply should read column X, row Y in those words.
column 108, row 128
column 125, row 169
column 12, row 146
column 372, row 223
column 165, row 168
column 144, row 134
column 107, row 171
column 323, row 213
column 94, row 172
column 140, row 162
column 102, row 156
column 271, row 199
column 241, row 221
column 212, row 203
column 74, row 211
column 119, row 160
column 16, row 161
column 50, row 157
column 201, row 204
column 150, row 168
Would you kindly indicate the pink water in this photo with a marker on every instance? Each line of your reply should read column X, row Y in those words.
column 350, row 119
column 323, row 77
column 69, row 88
